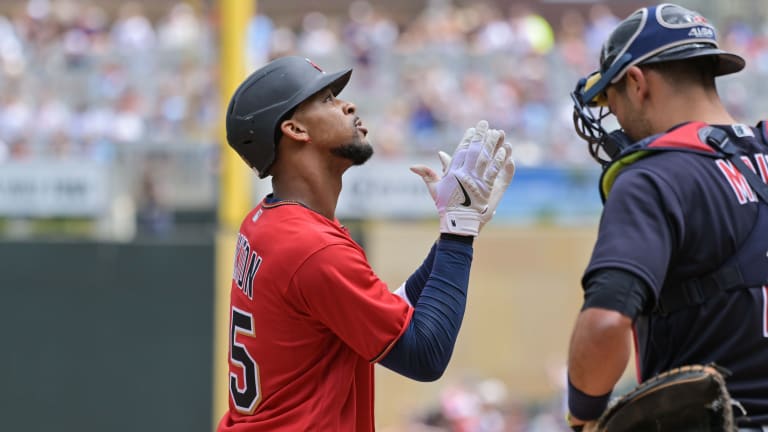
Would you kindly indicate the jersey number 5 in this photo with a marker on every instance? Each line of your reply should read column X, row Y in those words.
column 245, row 394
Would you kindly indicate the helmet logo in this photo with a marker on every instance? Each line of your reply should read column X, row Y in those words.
column 314, row 65
column 702, row 32
column 699, row 19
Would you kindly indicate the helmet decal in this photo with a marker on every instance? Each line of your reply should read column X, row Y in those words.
column 314, row 65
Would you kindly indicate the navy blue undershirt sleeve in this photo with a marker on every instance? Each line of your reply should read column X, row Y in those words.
column 617, row 290
column 415, row 283
column 423, row 351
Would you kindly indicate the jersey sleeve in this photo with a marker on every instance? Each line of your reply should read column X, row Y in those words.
column 640, row 227
column 337, row 287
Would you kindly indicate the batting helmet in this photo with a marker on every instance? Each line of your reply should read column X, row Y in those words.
column 654, row 34
column 266, row 98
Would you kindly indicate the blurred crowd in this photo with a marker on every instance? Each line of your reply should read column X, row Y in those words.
column 485, row 405
column 476, row 403
column 78, row 80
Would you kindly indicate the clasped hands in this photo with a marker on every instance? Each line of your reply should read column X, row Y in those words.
column 473, row 180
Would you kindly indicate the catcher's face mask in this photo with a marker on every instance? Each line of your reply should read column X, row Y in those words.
column 588, row 119
column 655, row 34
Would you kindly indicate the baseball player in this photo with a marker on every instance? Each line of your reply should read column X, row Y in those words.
column 309, row 317
column 680, row 260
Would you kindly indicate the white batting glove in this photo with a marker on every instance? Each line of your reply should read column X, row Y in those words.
column 506, row 173
column 462, row 194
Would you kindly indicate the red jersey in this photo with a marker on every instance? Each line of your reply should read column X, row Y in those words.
column 308, row 320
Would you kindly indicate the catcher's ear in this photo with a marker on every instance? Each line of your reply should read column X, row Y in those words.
column 635, row 83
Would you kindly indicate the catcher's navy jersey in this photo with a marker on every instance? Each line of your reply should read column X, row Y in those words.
column 676, row 215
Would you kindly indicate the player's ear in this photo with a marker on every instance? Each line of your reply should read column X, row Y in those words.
column 636, row 83
column 294, row 130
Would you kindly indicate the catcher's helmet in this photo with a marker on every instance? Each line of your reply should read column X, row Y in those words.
column 264, row 100
column 654, row 34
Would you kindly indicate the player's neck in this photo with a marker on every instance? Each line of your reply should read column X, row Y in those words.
column 701, row 109
column 320, row 194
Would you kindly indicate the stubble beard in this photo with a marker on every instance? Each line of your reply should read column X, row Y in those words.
column 639, row 128
column 358, row 151
column 638, row 125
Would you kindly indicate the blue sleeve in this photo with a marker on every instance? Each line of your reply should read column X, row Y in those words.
column 423, row 351
column 415, row 283
column 639, row 229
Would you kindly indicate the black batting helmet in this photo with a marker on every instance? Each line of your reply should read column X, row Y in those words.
column 264, row 100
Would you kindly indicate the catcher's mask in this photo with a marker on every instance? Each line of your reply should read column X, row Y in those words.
column 269, row 96
column 654, row 34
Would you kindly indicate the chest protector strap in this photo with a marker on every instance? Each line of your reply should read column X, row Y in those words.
column 739, row 271
column 689, row 138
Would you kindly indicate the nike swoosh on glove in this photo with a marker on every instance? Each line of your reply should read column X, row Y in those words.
column 506, row 167
column 463, row 192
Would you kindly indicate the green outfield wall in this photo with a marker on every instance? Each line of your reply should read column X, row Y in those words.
column 106, row 336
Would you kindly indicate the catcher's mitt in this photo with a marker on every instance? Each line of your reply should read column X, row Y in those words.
column 688, row 398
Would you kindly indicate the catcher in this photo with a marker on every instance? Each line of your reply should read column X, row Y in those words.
column 680, row 260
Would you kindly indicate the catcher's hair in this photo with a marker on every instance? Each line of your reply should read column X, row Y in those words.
column 682, row 73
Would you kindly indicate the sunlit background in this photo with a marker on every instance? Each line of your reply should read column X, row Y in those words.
column 112, row 253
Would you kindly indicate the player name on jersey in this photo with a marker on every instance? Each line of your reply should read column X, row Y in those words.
column 739, row 185
column 247, row 263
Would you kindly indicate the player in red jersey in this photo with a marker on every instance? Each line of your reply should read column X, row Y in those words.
column 309, row 317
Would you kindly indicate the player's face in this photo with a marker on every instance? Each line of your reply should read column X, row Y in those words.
column 630, row 116
column 333, row 123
